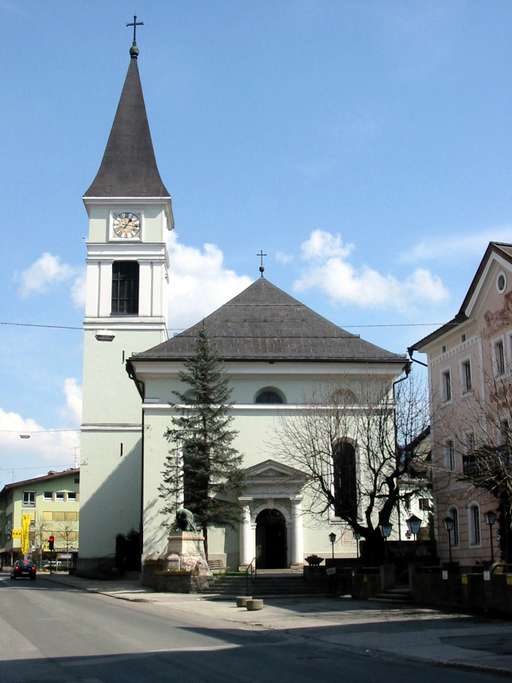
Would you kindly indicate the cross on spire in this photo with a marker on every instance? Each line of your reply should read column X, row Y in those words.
column 134, row 51
column 262, row 267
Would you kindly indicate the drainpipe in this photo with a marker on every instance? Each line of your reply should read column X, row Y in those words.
column 406, row 370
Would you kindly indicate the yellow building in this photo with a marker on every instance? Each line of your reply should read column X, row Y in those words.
column 49, row 505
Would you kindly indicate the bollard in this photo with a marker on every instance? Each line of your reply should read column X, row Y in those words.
column 254, row 604
column 241, row 600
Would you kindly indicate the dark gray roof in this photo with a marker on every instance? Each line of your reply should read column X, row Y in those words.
column 128, row 167
column 264, row 323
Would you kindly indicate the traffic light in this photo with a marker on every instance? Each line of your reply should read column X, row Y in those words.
column 51, row 542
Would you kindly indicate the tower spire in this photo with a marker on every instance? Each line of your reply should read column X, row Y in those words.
column 128, row 167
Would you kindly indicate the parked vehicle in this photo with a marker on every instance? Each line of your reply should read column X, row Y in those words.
column 24, row 568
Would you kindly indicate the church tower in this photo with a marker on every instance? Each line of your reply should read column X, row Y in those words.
column 130, row 214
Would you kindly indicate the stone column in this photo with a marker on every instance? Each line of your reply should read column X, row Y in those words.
column 297, row 558
column 246, row 536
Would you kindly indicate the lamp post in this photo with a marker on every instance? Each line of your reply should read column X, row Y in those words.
column 448, row 522
column 332, row 539
column 490, row 518
column 414, row 525
column 386, row 530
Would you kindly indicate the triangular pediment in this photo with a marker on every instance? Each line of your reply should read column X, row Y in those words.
column 272, row 470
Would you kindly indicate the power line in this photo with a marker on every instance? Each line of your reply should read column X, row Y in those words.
column 181, row 329
column 35, row 431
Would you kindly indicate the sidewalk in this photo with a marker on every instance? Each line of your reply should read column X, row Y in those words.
column 410, row 632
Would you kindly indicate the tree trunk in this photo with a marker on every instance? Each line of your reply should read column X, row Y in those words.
column 373, row 549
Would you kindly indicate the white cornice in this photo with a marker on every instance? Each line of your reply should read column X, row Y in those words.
column 110, row 427
column 142, row 251
column 146, row 368
column 261, row 407
column 126, row 323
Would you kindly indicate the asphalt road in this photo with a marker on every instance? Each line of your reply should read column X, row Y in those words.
column 52, row 634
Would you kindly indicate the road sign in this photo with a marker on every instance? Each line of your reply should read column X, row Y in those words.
column 16, row 533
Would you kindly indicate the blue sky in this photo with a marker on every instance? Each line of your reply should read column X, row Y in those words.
column 366, row 146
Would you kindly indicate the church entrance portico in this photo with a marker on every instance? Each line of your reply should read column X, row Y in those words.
column 271, row 530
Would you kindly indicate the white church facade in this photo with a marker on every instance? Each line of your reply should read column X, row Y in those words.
column 277, row 353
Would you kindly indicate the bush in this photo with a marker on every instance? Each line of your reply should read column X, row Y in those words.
column 314, row 560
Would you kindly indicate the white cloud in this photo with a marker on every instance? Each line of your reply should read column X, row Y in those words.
column 322, row 244
column 73, row 397
column 78, row 291
column 283, row 257
column 441, row 249
column 44, row 272
column 55, row 447
column 330, row 271
column 199, row 282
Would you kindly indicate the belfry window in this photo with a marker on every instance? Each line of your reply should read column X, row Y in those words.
column 125, row 288
column 269, row 395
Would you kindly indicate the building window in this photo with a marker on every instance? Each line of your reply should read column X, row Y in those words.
column 125, row 288
column 453, row 513
column 72, row 495
column 449, row 455
column 466, row 376
column 447, row 386
column 269, row 395
column 463, row 338
column 29, row 498
column 501, row 282
column 48, row 495
column 345, row 484
column 443, row 348
column 60, row 496
column 424, row 504
column 474, row 525
column 499, row 358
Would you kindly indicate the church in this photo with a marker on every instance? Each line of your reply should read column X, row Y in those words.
column 276, row 352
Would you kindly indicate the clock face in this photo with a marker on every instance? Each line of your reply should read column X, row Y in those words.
column 126, row 224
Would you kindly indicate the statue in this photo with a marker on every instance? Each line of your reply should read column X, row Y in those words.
column 184, row 520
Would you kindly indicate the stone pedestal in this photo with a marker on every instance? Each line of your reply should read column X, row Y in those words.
column 185, row 552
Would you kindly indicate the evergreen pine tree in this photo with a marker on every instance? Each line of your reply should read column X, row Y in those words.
column 202, row 469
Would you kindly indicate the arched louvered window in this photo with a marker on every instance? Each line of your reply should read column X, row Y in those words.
column 270, row 395
column 125, row 288
column 345, row 484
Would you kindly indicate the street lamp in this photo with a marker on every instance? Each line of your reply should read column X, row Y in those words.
column 491, row 518
column 24, row 436
column 414, row 524
column 386, row 530
column 332, row 539
column 449, row 524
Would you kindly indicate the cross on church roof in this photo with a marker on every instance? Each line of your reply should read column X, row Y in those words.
column 134, row 51
column 262, row 267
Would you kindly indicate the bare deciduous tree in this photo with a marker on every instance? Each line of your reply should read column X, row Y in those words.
column 357, row 449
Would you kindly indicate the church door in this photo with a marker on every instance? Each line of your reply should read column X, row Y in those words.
column 270, row 540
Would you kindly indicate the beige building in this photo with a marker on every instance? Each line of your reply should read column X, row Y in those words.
column 469, row 361
column 52, row 502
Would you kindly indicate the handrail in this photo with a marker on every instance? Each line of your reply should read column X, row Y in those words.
column 252, row 570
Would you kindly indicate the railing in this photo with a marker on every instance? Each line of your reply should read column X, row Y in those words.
column 251, row 571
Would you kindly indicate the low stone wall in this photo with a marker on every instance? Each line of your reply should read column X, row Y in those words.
column 482, row 591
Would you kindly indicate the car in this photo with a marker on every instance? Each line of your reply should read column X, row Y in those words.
column 24, row 568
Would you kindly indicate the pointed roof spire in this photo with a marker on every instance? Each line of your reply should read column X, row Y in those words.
column 128, row 167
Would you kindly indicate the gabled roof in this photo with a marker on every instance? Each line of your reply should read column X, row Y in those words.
column 45, row 477
column 128, row 167
column 504, row 250
column 264, row 323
